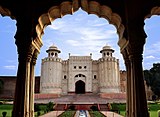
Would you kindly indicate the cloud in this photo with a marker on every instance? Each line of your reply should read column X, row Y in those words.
column 81, row 34
column 10, row 67
column 73, row 42
column 11, row 61
column 150, row 57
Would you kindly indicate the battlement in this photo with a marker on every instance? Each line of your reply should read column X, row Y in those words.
column 51, row 59
column 80, row 58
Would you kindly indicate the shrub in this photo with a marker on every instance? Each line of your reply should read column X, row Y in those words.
column 36, row 107
column 72, row 107
column 38, row 113
column 4, row 114
column 94, row 108
column 50, row 106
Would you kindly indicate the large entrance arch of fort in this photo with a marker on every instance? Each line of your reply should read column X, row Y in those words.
column 80, row 87
column 32, row 18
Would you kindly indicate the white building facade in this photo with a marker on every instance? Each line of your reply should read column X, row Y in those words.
column 80, row 74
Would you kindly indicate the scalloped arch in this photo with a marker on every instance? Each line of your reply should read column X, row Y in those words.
column 91, row 7
column 154, row 11
column 6, row 12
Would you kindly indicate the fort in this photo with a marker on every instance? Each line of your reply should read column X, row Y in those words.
column 77, row 75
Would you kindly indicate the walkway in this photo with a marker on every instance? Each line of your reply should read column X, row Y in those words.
column 111, row 114
column 52, row 114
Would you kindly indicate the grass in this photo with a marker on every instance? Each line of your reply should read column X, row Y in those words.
column 152, row 113
column 153, row 108
column 6, row 108
column 67, row 114
column 96, row 114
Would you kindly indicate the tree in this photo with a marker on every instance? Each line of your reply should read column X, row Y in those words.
column 152, row 78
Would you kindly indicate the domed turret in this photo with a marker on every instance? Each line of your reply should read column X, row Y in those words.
column 51, row 72
column 107, row 51
column 53, row 51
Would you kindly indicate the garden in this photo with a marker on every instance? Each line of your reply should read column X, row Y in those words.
column 40, row 109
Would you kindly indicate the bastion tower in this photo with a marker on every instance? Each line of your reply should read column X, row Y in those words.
column 108, row 72
column 51, row 72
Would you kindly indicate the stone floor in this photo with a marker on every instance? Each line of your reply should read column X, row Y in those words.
column 80, row 99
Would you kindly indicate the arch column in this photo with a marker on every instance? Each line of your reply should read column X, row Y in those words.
column 28, row 50
column 136, row 97
column 128, row 82
column 32, row 83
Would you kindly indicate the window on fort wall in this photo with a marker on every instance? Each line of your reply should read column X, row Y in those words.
column 74, row 67
column 65, row 77
column 85, row 67
column 95, row 77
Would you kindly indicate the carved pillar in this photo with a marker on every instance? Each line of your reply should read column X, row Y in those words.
column 21, row 101
column 128, row 82
column 32, row 83
column 137, row 98
column 27, row 82
column 27, row 50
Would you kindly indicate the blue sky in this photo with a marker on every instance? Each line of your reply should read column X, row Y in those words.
column 78, row 34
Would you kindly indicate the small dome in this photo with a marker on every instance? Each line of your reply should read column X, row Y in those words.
column 106, row 47
column 53, row 48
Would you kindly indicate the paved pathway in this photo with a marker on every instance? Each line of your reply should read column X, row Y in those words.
column 52, row 114
column 111, row 114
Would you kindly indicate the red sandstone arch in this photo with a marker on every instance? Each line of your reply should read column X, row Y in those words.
column 6, row 12
column 91, row 7
column 154, row 11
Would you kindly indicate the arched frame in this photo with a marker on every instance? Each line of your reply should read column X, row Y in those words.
column 91, row 7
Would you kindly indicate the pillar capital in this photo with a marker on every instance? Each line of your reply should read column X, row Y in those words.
column 34, row 57
column 134, row 51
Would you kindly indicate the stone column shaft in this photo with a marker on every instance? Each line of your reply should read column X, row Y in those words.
column 139, row 105
column 32, row 85
column 136, row 98
column 128, row 80
column 27, row 90
column 18, row 108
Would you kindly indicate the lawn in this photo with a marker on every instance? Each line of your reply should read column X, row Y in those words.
column 153, row 108
column 6, row 108
column 96, row 114
column 67, row 114
column 152, row 113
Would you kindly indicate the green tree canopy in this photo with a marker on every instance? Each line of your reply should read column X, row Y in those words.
column 152, row 78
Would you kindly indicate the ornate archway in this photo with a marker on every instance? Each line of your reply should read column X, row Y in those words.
column 30, row 29
column 80, row 87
